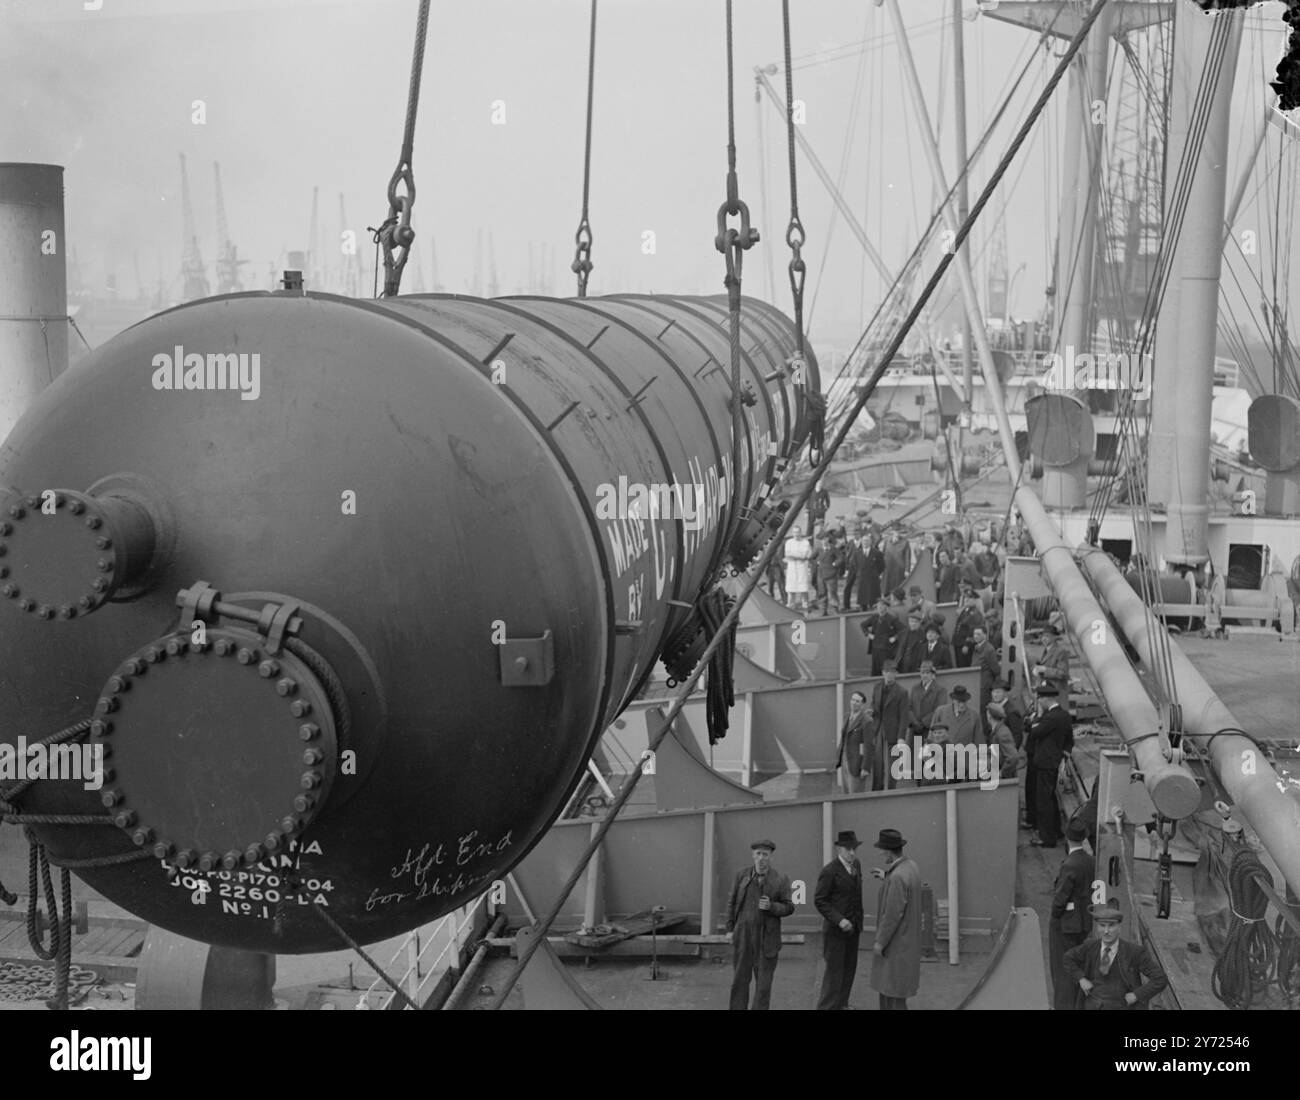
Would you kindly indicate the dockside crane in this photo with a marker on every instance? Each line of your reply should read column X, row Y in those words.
column 417, row 274
column 438, row 288
column 352, row 277
column 476, row 285
column 194, row 279
column 228, row 260
column 493, row 285
column 314, row 273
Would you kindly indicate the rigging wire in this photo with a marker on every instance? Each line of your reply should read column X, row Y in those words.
column 582, row 240
column 768, row 267
column 395, row 236
column 1126, row 425
column 840, row 176
column 891, row 301
column 865, row 45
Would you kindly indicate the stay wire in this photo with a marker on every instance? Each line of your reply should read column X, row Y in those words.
column 798, row 270
column 792, row 514
column 582, row 239
column 395, row 236
column 888, row 305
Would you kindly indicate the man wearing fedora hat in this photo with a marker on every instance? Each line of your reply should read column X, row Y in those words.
column 896, row 953
column 1111, row 971
column 1070, row 921
column 838, row 899
column 957, row 717
column 1054, row 665
column 1047, row 741
column 923, row 700
column 760, row 898
column 937, row 650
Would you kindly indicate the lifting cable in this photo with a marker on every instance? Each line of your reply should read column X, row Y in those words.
column 395, row 236
column 543, row 926
column 582, row 265
column 794, row 239
column 733, row 244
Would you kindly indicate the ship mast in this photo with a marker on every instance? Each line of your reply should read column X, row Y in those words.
column 1186, row 331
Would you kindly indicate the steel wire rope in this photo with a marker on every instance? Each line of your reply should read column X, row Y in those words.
column 1163, row 670
column 854, row 106
column 1219, row 38
column 395, row 233
column 582, row 240
column 907, row 271
column 1148, row 579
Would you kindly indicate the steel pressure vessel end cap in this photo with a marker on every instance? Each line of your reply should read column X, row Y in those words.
column 219, row 752
column 64, row 553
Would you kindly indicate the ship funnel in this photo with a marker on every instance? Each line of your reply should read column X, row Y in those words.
column 33, row 286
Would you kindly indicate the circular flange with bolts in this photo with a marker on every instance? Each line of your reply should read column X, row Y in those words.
column 216, row 753
column 64, row 553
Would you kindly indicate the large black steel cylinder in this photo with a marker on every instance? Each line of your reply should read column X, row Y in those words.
column 395, row 565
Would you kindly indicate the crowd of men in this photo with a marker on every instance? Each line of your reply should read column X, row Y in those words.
column 832, row 570
column 1090, row 974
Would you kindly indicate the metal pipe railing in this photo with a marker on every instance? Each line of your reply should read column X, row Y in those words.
column 1240, row 764
column 417, row 974
column 1173, row 789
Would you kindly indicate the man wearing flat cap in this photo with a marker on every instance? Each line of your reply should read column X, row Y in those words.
column 889, row 712
column 1047, row 740
column 883, row 629
column 896, row 953
column 909, row 650
column 1113, row 973
column 923, row 700
column 838, row 898
column 760, row 898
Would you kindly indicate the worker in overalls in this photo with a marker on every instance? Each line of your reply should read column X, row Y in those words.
column 760, row 898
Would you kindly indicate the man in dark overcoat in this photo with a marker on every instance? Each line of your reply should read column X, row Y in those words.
column 838, row 898
column 896, row 953
column 1070, row 922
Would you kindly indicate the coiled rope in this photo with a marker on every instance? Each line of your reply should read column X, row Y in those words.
column 1245, row 966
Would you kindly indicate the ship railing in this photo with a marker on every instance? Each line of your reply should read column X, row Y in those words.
column 421, row 972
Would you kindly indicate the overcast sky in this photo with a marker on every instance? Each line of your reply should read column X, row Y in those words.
column 303, row 93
